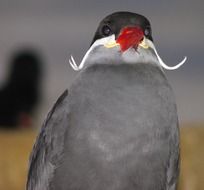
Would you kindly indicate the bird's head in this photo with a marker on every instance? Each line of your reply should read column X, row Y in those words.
column 127, row 30
column 124, row 32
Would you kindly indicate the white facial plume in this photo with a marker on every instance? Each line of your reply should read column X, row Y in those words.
column 110, row 42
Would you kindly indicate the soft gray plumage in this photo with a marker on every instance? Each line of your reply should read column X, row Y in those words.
column 116, row 129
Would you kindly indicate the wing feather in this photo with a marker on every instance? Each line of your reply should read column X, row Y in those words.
column 48, row 148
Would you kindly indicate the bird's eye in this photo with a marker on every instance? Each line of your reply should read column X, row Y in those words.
column 147, row 32
column 106, row 30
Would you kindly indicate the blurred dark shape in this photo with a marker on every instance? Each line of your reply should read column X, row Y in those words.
column 20, row 94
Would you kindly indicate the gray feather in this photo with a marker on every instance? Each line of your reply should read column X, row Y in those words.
column 119, row 131
column 47, row 150
column 116, row 130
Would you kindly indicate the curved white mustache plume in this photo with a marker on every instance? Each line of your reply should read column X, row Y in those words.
column 95, row 44
column 160, row 60
column 111, row 39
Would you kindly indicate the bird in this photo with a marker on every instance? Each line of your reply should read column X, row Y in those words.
column 20, row 94
column 116, row 128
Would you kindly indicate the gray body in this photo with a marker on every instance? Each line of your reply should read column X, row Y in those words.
column 116, row 129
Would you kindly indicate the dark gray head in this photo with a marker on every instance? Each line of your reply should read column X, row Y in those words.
column 114, row 23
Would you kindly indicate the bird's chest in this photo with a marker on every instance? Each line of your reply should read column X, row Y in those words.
column 113, row 121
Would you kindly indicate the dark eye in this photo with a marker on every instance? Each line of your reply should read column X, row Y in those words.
column 106, row 30
column 147, row 31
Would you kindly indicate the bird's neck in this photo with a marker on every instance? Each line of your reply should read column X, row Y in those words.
column 101, row 55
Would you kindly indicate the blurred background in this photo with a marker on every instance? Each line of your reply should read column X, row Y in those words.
column 51, row 30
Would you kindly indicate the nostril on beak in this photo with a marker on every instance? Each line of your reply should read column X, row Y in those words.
column 141, row 39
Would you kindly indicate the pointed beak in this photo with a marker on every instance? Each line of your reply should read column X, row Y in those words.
column 130, row 37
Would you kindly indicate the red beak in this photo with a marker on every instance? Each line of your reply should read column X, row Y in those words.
column 130, row 37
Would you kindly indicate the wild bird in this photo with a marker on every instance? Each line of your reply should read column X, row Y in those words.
column 20, row 94
column 117, row 128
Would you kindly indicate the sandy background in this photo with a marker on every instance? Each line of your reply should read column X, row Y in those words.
column 15, row 149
